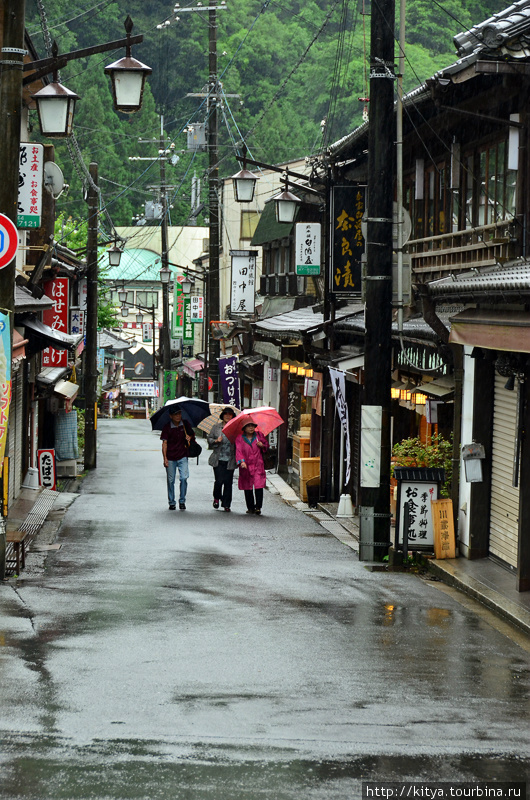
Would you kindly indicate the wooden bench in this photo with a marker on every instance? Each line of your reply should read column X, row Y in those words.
column 18, row 540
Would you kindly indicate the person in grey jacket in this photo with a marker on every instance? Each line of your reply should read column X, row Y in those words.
column 223, row 461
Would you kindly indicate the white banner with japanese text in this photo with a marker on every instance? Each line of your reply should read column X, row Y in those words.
column 243, row 281
column 338, row 383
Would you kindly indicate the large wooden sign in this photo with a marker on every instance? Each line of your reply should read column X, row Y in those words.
column 444, row 531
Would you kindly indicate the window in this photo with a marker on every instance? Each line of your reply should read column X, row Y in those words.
column 147, row 299
column 249, row 223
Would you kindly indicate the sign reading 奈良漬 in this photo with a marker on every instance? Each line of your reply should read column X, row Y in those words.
column 347, row 209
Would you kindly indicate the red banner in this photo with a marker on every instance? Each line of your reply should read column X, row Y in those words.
column 56, row 318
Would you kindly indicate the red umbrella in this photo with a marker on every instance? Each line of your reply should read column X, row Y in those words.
column 266, row 418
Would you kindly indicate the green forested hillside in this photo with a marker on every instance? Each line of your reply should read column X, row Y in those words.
column 293, row 64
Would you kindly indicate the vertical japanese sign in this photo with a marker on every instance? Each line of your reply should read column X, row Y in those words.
column 243, row 281
column 147, row 332
column 30, row 167
column 338, row 382
column 77, row 321
column 47, row 473
column 347, row 209
column 229, row 375
column 188, row 328
column 417, row 497
column 5, row 381
column 196, row 308
column 307, row 248
column 56, row 318
column 170, row 384
column 444, row 531
column 177, row 318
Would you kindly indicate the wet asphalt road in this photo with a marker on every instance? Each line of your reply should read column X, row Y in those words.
column 205, row 655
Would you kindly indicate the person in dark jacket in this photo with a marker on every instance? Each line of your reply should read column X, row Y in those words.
column 250, row 446
column 176, row 437
column 223, row 461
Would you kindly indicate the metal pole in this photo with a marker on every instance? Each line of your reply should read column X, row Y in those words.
column 91, row 347
column 378, row 336
column 212, row 306
column 166, row 345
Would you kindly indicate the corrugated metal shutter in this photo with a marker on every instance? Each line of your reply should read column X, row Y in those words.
column 504, row 511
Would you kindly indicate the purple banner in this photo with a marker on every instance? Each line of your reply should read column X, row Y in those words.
column 229, row 375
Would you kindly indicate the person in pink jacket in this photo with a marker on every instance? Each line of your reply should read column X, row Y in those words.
column 250, row 446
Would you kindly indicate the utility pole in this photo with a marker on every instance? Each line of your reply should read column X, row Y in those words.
column 212, row 284
column 91, row 347
column 375, row 492
column 166, row 344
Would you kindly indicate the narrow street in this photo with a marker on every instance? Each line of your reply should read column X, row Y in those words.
column 206, row 655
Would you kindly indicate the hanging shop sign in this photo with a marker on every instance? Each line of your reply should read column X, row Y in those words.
column 188, row 327
column 30, row 167
column 170, row 384
column 147, row 332
column 229, row 377
column 307, row 248
column 177, row 317
column 338, row 382
column 77, row 321
column 56, row 318
column 197, row 309
column 243, row 281
column 347, row 209
column 141, row 389
column 47, row 472
column 5, row 381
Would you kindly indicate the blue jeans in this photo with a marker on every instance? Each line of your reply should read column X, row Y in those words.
column 171, row 471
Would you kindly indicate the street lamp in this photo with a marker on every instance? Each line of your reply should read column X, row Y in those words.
column 186, row 285
column 139, row 318
column 115, row 257
column 165, row 275
column 55, row 106
column 124, row 311
column 244, row 182
column 127, row 78
column 286, row 203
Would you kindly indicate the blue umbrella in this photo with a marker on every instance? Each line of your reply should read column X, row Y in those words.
column 193, row 410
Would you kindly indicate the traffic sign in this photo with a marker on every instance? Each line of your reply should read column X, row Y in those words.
column 8, row 241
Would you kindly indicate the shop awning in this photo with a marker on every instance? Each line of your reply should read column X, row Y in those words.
column 44, row 336
column 441, row 387
column 66, row 389
column 50, row 375
column 493, row 329
column 192, row 366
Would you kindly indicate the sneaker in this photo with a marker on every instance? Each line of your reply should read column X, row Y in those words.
column 227, row 509
column 216, row 503
column 257, row 511
column 172, row 507
column 249, row 511
column 182, row 506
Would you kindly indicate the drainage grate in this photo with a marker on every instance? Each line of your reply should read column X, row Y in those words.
column 37, row 516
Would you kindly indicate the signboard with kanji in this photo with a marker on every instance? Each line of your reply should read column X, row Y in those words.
column 30, row 167
column 347, row 209
column 196, row 308
column 177, row 318
column 56, row 318
column 417, row 497
column 444, row 530
column 243, row 281
column 77, row 321
column 46, row 462
column 307, row 248
column 188, row 328
column 141, row 389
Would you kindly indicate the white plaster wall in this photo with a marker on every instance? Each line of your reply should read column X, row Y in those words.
column 464, row 517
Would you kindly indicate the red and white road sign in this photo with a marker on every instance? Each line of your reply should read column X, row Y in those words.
column 8, row 241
